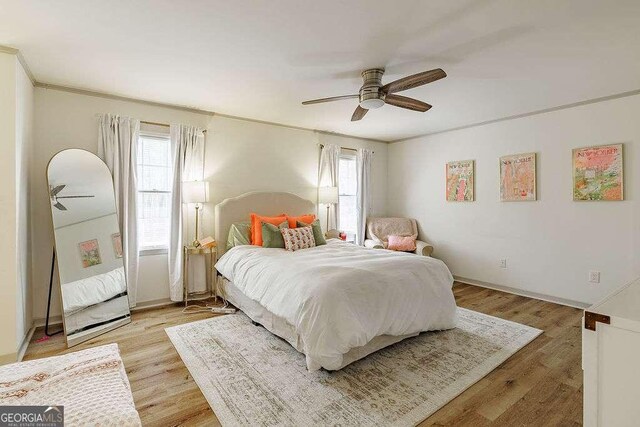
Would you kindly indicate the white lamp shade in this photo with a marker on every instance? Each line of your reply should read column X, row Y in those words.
column 327, row 195
column 195, row 191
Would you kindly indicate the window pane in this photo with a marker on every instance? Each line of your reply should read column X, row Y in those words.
column 153, row 219
column 347, row 182
column 154, row 174
column 155, row 151
column 155, row 178
column 348, row 187
column 348, row 215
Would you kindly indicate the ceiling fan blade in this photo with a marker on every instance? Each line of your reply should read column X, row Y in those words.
column 409, row 103
column 74, row 197
column 358, row 113
column 58, row 188
column 60, row 206
column 415, row 80
column 333, row 98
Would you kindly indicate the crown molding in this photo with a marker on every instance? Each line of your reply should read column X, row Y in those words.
column 21, row 60
column 35, row 83
column 193, row 110
column 529, row 114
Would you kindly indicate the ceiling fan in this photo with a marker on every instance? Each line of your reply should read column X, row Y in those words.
column 53, row 193
column 373, row 94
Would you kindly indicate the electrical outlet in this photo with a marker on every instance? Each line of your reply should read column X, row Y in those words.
column 594, row 277
column 503, row 263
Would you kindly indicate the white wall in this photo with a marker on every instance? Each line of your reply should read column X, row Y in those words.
column 240, row 156
column 24, row 155
column 550, row 244
column 16, row 122
column 8, row 238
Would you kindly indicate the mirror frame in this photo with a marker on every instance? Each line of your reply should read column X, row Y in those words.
column 73, row 341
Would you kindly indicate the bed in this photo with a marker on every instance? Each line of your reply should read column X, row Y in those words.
column 335, row 303
column 94, row 303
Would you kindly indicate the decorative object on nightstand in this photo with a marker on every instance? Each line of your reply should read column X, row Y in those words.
column 328, row 196
column 195, row 192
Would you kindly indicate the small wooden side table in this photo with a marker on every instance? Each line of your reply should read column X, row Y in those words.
column 211, row 280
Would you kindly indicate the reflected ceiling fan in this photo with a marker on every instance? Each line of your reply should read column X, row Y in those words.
column 53, row 193
column 373, row 94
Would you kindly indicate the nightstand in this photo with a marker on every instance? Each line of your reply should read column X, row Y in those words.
column 211, row 280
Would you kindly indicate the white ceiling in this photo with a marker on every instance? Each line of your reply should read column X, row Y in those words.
column 260, row 59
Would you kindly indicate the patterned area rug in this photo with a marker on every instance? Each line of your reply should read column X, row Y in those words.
column 251, row 377
column 91, row 384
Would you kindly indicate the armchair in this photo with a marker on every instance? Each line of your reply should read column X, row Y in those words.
column 379, row 229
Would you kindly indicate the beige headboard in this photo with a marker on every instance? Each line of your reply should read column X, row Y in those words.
column 239, row 208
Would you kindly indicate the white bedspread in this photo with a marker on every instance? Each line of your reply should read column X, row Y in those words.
column 340, row 296
column 93, row 290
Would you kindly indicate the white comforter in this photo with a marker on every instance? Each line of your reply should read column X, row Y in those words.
column 339, row 296
column 93, row 290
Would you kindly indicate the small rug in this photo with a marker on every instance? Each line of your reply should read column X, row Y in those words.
column 91, row 384
column 251, row 377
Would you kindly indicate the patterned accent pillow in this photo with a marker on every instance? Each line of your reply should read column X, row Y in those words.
column 317, row 231
column 298, row 238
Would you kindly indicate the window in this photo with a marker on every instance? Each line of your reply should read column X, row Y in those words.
column 154, row 191
column 347, row 190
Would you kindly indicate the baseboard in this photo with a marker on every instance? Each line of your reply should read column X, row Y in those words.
column 53, row 320
column 523, row 293
column 25, row 343
column 147, row 305
column 141, row 306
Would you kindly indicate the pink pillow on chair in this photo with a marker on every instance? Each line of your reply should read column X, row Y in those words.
column 402, row 243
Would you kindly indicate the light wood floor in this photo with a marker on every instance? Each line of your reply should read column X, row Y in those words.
column 540, row 385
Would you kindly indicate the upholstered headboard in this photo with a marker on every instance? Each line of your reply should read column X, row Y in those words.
column 239, row 208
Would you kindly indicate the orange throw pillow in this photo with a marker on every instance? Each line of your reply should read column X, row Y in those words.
column 256, row 226
column 307, row 219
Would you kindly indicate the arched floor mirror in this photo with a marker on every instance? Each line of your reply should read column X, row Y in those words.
column 88, row 245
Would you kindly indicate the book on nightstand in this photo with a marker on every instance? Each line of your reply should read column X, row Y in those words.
column 207, row 242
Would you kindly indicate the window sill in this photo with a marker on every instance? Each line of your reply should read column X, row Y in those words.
column 153, row 251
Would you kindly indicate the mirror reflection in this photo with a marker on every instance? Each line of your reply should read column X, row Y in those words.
column 88, row 245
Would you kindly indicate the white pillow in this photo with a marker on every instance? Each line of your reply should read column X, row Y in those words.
column 298, row 238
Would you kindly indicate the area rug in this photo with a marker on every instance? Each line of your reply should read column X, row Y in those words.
column 91, row 385
column 251, row 377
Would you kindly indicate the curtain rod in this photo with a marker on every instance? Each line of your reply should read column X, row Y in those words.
column 165, row 125
column 345, row 148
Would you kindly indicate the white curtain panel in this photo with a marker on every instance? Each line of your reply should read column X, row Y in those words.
column 363, row 195
column 117, row 146
column 187, row 157
column 328, row 174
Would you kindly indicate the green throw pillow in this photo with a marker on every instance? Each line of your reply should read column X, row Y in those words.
column 271, row 235
column 317, row 231
column 239, row 234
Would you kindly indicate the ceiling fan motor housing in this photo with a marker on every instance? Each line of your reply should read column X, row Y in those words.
column 370, row 95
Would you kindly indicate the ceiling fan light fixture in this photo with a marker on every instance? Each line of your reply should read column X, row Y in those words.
column 373, row 94
column 371, row 103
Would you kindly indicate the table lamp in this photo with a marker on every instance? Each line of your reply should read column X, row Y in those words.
column 328, row 196
column 195, row 192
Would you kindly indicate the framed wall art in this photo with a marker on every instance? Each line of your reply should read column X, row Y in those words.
column 460, row 181
column 90, row 253
column 598, row 173
column 518, row 177
column 116, row 240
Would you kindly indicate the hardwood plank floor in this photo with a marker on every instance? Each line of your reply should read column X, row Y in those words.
column 540, row 385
